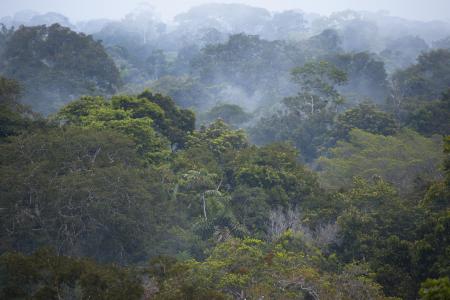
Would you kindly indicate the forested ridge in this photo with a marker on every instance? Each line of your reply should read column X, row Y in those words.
column 287, row 161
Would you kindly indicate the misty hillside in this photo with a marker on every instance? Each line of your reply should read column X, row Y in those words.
column 232, row 152
column 172, row 57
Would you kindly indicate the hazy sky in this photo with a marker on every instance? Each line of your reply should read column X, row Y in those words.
column 89, row 9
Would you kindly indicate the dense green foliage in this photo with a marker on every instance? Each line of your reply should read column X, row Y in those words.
column 426, row 79
column 230, row 113
column 72, row 189
column 431, row 116
column 314, row 171
column 398, row 159
column 100, row 179
column 306, row 119
column 45, row 276
column 366, row 117
column 251, row 268
column 56, row 65
column 140, row 117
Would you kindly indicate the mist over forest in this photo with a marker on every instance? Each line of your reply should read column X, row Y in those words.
column 232, row 152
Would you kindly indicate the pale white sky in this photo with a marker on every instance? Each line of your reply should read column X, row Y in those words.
column 78, row 10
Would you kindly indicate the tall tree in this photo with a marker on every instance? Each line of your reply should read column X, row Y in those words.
column 56, row 65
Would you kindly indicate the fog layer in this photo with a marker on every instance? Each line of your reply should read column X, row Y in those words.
column 88, row 9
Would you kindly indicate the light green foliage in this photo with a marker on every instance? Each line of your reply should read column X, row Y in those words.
column 253, row 269
column 151, row 120
column 398, row 159
column 435, row 289
column 126, row 115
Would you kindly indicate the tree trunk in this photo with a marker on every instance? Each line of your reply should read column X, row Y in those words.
column 204, row 206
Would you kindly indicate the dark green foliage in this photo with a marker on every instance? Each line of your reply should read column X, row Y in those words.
column 306, row 119
column 241, row 68
column 186, row 91
column 328, row 41
column 45, row 276
column 156, row 64
column 310, row 135
column 275, row 169
column 367, row 78
column 177, row 123
column 92, row 187
column 251, row 206
column 447, row 159
column 56, row 65
column 431, row 117
column 427, row 79
column 415, row 91
column 370, row 231
column 12, row 120
column 14, row 116
column 9, row 92
column 82, row 191
column 218, row 138
column 127, row 179
column 230, row 113
column 431, row 249
column 403, row 52
column 317, row 82
column 366, row 117
column 247, row 66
